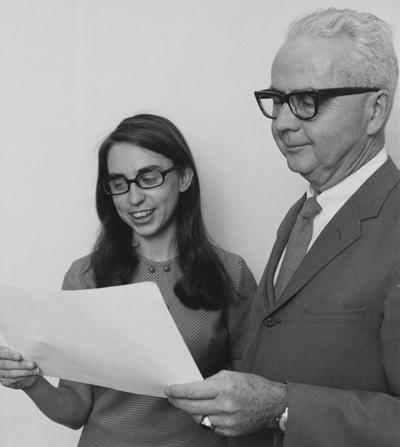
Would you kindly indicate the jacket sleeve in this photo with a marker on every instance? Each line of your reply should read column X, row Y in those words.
column 239, row 309
column 327, row 417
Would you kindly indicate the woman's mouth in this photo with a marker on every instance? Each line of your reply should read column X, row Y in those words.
column 142, row 214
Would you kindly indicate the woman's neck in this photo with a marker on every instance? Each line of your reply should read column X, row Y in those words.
column 157, row 248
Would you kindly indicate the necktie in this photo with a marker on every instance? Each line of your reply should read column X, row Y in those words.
column 297, row 245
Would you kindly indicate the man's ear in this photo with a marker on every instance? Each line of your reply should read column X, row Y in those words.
column 185, row 179
column 379, row 105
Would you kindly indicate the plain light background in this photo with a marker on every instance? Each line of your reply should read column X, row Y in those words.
column 71, row 70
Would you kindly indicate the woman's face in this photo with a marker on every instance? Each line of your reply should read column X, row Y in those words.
column 149, row 212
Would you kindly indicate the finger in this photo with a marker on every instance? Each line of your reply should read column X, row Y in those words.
column 197, row 418
column 18, row 373
column 13, row 383
column 17, row 385
column 196, row 407
column 222, row 425
column 218, row 424
column 206, row 389
column 22, row 364
column 7, row 353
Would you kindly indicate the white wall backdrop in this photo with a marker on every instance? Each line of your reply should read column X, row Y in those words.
column 70, row 70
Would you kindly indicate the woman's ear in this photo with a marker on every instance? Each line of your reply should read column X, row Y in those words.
column 380, row 105
column 185, row 179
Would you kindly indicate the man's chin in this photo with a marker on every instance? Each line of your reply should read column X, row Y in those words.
column 299, row 165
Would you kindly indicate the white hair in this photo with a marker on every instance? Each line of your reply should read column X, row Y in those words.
column 373, row 61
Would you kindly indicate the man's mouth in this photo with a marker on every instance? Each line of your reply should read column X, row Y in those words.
column 293, row 148
column 294, row 145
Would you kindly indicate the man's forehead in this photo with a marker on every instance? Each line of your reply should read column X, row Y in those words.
column 304, row 63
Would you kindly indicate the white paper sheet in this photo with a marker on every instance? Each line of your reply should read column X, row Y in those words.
column 119, row 337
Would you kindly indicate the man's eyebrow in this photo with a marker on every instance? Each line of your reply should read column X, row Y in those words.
column 275, row 89
column 296, row 90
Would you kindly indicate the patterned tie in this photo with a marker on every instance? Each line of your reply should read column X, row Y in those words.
column 297, row 245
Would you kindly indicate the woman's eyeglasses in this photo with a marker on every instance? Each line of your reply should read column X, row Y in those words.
column 118, row 184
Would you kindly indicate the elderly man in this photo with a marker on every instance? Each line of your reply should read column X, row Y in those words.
column 324, row 332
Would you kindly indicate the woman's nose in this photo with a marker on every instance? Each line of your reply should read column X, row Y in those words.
column 136, row 195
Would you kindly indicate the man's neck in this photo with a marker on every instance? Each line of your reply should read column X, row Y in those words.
column 373, row 147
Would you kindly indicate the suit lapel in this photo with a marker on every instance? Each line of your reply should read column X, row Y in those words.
column 342, row 231
column 333, row 240
column 277, row 250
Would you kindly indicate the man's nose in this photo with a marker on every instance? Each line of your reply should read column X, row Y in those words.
column 136, row 195
column 286, row 120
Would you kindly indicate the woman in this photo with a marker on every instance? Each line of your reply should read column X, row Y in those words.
column 148, row 202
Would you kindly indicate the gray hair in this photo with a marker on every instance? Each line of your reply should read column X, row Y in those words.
column 373, row 61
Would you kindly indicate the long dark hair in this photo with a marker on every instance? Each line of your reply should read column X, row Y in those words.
column 204, row 283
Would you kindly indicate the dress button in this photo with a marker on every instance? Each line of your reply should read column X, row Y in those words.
column 152, row 269
column 167, row 268
column 271, row 322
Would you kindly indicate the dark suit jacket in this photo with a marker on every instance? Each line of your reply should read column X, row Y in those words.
column 334, row 335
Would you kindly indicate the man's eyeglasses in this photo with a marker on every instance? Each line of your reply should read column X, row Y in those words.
column 303, row 104
column 118, row 184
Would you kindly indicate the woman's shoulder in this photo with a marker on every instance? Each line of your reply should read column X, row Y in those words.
column 227, row 257
column 80, row 275
column 234, row 265
column 239, row 273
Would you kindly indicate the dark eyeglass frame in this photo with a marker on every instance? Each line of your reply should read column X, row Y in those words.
column 104, row 185
column 316, row 95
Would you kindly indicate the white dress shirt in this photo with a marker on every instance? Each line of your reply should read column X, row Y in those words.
column 332, row 199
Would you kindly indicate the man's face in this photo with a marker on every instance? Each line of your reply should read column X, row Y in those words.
column 329, row 147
